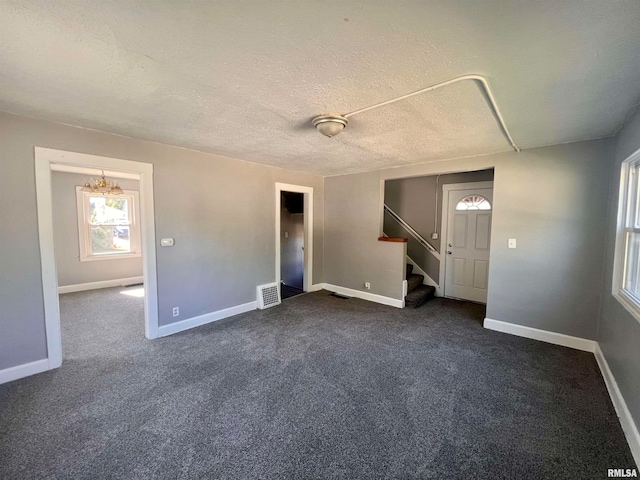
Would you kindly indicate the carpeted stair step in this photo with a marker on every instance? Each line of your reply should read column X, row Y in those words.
column 419, row 296
column 413, row 282
column 409, row 269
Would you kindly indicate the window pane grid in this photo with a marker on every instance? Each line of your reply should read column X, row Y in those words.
column 109, row 228
column 473, row 202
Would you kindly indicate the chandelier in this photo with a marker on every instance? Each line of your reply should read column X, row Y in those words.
column 102, row 186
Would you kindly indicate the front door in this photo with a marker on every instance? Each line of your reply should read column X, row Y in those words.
column 467, row 244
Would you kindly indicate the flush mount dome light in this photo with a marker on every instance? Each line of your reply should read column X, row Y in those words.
column 330, row 125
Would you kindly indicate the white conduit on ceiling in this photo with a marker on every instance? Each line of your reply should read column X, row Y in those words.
column 475, row 78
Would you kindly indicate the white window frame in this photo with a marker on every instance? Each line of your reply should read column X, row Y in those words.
column 627, row 208
column 84, row 228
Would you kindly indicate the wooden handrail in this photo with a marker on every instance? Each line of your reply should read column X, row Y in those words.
column 393, row 239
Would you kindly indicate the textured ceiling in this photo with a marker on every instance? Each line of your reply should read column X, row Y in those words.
column 244, row 79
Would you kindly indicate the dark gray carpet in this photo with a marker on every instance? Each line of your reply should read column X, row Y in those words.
column 318, row 387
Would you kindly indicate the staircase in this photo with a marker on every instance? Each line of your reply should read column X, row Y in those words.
column 417, row 293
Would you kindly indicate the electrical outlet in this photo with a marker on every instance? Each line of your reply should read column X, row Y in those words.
column 512, row 243
column 434, row 236
column 367, row 285
column 176, row 311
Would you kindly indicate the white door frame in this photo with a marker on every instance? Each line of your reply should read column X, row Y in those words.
column 44, row 159
column 446, row 188
column 307, row 280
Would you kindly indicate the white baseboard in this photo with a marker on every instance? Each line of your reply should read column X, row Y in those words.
column 542, row 335
column 372, row 297
column 317, row 287
column 21, row 371
column 626, row 420
column 182, row 325
column 427, row 279
column 118, row 282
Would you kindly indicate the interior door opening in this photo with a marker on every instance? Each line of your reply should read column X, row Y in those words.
column 414, row 208
column 291, row 243
column 98, row 256
column 293, row 238
column 49, row 160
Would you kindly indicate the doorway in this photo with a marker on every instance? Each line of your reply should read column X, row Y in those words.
column 44, row 160
column 291, row 244
column 98, row 260
column 294, row 239
column 466, row 224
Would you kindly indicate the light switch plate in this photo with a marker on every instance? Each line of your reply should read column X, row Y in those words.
column 512, row 243
column 166, row 242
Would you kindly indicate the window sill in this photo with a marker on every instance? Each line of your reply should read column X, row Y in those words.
column 113, row 256
column 631, row 306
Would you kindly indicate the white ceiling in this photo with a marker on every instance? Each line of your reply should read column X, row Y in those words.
column 244, row 79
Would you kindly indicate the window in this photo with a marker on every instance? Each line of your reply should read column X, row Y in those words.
column 107, row 225
column 473, row 202
column 626, row 275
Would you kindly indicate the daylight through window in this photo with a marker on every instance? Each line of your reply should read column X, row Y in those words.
column 626, row 281
column 107, row 225
column 473, row 202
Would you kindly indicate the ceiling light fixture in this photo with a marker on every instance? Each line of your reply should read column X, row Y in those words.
column 331, row 125
column 102, row 186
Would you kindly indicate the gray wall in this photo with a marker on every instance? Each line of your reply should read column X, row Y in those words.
column 619, row 332
column 221, row 212
column 552, row 199
column 71, row 271
column 414, row 199
column 353, row 223
column 291, row 253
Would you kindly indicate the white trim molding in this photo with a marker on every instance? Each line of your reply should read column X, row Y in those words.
column 307, row 280
column 624, row 415
column 541, row 335
column 165, row 330
column 372, row 297
column 117, row 282
column 45, row 159
column 20, row 371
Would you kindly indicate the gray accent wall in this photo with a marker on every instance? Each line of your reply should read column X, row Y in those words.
column 219, row 210
column 553, row 200
column 619, row 331
column 71, row 271
column 353, row 223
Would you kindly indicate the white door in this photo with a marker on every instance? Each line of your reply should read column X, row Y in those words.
column 467, row 242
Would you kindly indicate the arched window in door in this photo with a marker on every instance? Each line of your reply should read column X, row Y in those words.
column 473, row 202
